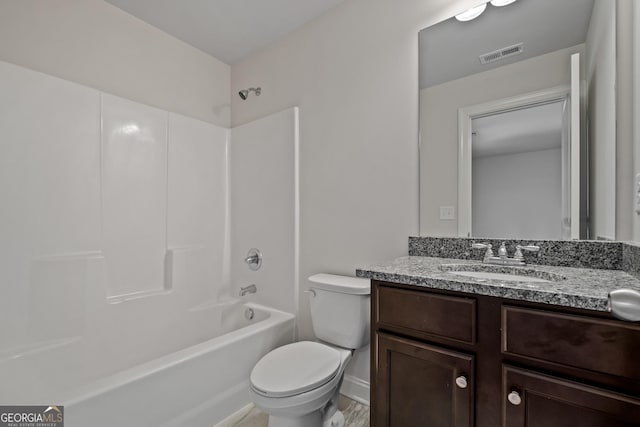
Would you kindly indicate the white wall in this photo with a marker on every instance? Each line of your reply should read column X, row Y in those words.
column 626, row 84
column 518, row 195
column 636, row 108
column 601, row 99
column 98, row 45
column 113, row 227
column 354, row 74
column 439, row 123
column 264, row 202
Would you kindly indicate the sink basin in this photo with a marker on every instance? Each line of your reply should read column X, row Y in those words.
column 484, row 272
column 499, row 276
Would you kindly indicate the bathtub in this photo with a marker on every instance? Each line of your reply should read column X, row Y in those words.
column 196, row 386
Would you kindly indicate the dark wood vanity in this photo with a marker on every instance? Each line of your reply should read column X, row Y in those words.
column 442, row 358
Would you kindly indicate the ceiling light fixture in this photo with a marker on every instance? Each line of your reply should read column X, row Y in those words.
column 472, row 13
column 500, row 3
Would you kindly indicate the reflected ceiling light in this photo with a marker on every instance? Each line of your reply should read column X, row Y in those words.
column 472, row 13
column 499, row 3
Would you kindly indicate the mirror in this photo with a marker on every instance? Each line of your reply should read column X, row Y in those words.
column 506, row 103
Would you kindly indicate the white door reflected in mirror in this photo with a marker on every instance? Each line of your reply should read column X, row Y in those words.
column 517, row 173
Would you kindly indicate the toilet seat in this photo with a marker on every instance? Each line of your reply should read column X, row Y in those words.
column 295, row 369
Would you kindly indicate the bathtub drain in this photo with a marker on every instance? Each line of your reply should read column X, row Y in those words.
column 249, row 314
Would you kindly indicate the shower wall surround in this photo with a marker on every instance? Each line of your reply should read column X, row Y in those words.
column 114, row 223
column 263, row 195
column 161, row 177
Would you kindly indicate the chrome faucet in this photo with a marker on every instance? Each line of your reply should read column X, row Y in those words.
column 254, row 259
column 251, row 289
column 502, row 251
column 529, row 248
column 503, row 256
column 488, row 254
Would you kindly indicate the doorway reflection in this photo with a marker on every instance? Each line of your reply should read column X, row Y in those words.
column 521, row 172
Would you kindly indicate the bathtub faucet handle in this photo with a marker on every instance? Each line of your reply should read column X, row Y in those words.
column 254, row 259
column 251, row 289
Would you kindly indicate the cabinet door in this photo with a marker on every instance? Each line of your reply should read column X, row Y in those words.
column 421, row 385
column 536, row 400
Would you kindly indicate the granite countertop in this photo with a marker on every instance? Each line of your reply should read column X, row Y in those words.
column 574, row 287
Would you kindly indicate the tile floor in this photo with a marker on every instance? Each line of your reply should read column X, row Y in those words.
column 355, row 414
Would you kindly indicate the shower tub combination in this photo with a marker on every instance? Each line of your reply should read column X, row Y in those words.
column 196, row 386
column 114, row 297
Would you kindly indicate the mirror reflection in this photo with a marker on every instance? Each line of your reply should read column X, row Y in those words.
column 507, row 100
column 517, row 162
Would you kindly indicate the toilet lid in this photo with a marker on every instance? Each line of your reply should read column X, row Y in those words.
column 295, row 368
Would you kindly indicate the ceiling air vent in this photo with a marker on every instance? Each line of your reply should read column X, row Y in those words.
column 499, row 54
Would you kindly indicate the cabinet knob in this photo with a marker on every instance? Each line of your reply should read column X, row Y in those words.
column 514, row 398
column 461, row 382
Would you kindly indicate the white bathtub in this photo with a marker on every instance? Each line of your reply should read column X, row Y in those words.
column 196, row 386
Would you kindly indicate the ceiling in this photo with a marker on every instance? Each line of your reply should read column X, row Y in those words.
column 529, row 129
column 450, row 50
column 229, row 30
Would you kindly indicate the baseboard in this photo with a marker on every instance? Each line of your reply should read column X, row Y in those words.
column 355, row 389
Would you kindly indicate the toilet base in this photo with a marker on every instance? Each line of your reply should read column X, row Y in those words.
column 313, row 419
column 336, row 421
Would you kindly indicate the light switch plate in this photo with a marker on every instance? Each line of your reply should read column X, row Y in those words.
column 447, row 213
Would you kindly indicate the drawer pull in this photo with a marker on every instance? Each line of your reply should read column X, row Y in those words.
column 625, row 304
column 461, row 382
column 514, row 398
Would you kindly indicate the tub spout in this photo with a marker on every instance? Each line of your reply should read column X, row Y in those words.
column 251, row 289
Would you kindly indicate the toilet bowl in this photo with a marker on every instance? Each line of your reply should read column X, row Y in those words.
column 298, row 384
column 298, row 379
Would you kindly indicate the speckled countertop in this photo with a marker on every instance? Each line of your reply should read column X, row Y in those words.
column 574, row 287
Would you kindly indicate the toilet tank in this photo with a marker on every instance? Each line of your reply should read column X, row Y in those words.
column 340, row 309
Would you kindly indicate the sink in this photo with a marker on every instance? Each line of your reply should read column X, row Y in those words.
column 484, row 272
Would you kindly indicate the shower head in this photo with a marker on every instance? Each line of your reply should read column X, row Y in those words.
column 244, row 93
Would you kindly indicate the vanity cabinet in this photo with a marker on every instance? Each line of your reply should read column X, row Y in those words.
column 442, row 358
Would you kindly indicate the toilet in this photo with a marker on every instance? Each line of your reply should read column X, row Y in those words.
column 298, row 384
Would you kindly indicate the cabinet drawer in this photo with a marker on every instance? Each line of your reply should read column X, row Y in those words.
column 582, row 342
column 423, row 314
